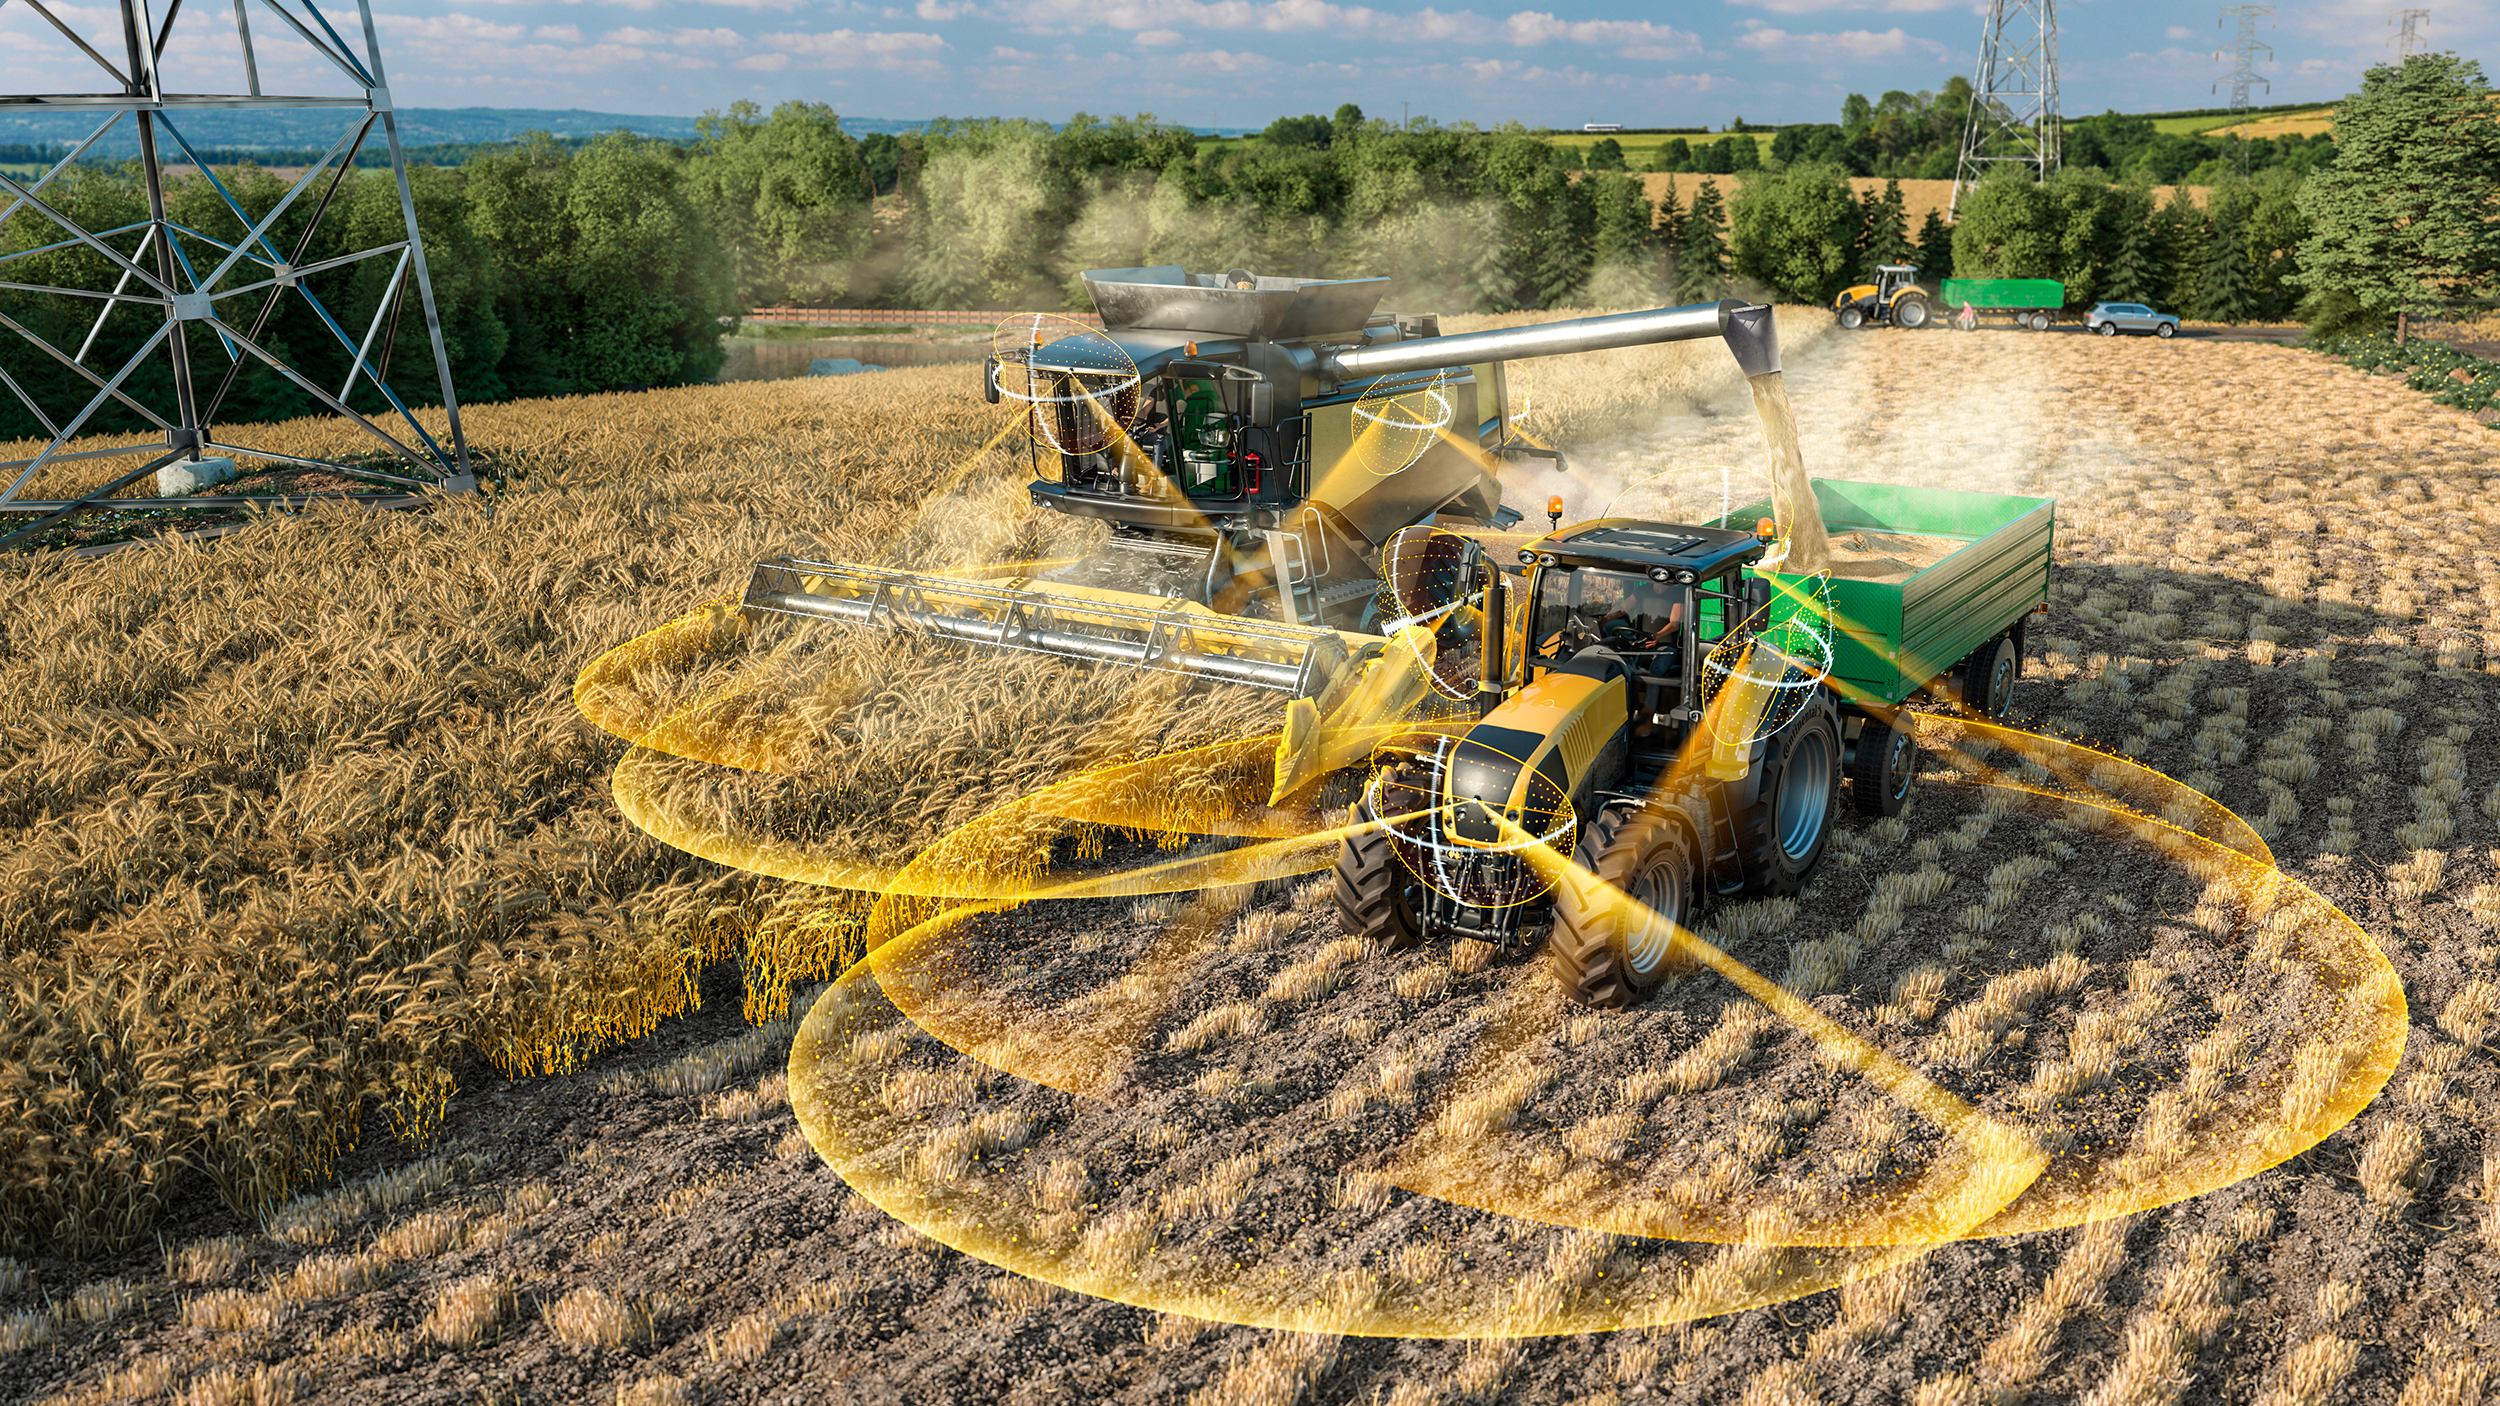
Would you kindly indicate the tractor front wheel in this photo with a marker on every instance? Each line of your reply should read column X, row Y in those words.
column 1606, row 952
column 1853, row 317
column 1378, row 900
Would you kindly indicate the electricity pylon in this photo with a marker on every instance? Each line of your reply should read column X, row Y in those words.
column 2244, row 51
column 2013, row 105
column 203, row 300
column 2409, row 40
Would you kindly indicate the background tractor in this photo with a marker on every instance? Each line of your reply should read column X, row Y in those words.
column 1894, row 297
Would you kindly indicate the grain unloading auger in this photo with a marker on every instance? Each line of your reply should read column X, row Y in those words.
column 1253, row 443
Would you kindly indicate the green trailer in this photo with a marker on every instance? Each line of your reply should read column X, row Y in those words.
column 1953, row 629
column 2031, row 302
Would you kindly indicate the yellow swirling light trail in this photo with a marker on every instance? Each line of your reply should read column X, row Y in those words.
column 1625, row 1251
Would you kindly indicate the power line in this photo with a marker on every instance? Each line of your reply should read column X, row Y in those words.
column 2410, row 41
column 2013, row 105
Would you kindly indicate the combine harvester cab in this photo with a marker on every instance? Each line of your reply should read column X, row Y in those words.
column 1252, row 443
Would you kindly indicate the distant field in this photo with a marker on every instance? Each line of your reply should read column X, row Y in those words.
column 2314, row 122
column 1918, row 197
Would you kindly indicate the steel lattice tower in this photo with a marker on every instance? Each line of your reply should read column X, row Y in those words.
column 2013, row 112
column 2245, row 51
column 2409, row 40
column 211, row 300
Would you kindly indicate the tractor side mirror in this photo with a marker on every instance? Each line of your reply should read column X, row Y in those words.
column 989, row 379
column 1757, row 597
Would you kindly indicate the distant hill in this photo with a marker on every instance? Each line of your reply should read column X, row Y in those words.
column 294, row 128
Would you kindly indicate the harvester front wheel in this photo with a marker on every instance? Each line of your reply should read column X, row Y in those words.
column 1911, row 312
column 1783, row 832
column 1881, row 767
column 1853, row 317
column 1608, row 953
column 1376, row 896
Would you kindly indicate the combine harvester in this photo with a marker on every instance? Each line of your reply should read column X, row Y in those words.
column 1302, row 498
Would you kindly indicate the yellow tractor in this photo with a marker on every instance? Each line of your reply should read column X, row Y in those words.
column 1893, row 297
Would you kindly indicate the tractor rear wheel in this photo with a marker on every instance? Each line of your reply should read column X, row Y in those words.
column 1988, row 679
column 1607, row 953
column 1782, row 834
column 1883, row 764
column 1853, row 317
column 1911, row 312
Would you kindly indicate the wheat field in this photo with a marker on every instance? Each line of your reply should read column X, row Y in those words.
column 309, row 852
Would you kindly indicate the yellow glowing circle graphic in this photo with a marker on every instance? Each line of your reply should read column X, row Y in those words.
column 1395, row 422
column 967, row 1074
column 1080, row 389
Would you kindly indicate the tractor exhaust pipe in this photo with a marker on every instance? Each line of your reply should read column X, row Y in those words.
column 1746, row 328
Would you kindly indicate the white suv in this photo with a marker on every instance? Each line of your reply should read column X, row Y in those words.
column 2109, row 319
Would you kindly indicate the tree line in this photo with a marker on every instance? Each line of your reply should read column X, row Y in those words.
column 563, row 268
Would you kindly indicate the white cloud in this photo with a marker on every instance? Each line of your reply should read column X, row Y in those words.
column 1635, row 39
column 558, row 33
column 1890, row 7
column 1855, row 45
column 845, row 48
column 938, row 11
column 765, row 63
column 1004, row 54
column 1157, row 38
column 454, row 26
column 2178, row 31
column 1226, row 61
column 676, row 38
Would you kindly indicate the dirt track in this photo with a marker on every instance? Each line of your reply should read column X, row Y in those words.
column 2320, row 539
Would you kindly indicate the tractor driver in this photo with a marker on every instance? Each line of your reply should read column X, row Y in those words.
column 1650, row 619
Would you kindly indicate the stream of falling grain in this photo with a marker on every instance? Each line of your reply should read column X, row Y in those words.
column 1800, row 520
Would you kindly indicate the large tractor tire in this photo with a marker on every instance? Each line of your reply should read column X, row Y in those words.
column 1883, row 764
column 1782, row 834
column 1607, row 954
column 1988, row 678
column 1376, row 897
column 1911, row 312
column 1853, row 317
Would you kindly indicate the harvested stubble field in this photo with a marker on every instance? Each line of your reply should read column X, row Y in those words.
column 307, row 847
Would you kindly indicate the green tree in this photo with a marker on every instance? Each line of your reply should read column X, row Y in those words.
column 1795, row 231
column 2276, row 228
column 2177, row 233
column 787, row 198
column 2003, row 229
column 2222, row 273
column 2404, row 219
column 1888, row 226
column 1606, row 154
column 1676, row 154
column 1624, row 251
column 1935, row 245
column 613, row 279
column 2132, row 274
column 1701, row 266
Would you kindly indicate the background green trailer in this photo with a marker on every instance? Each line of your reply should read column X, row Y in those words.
column 1892, row 638
column 2031, row 302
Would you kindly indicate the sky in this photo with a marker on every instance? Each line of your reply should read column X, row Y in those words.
column 1241, row 63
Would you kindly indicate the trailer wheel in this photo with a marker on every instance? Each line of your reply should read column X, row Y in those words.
column 1881, row 768
column 1988, row 679
column 1604, row 953
column 1853, row 316
column 1783, row 832
column 2039, row 322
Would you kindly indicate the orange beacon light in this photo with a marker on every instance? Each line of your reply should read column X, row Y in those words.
column 1553, row 511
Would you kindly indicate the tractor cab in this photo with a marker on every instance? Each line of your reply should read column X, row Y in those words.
column 1890, row 279
column 1643, row 600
